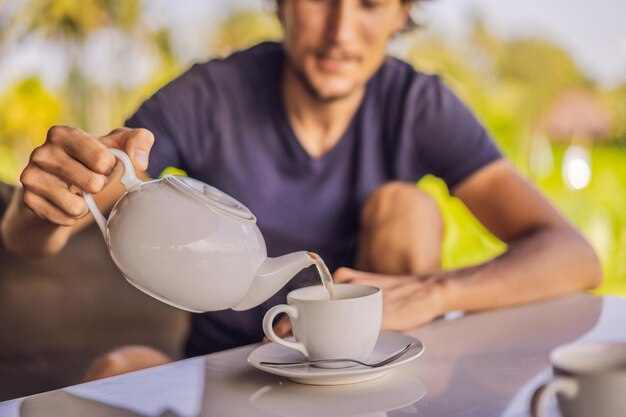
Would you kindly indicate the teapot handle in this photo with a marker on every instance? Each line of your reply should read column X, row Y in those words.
column 129, row 180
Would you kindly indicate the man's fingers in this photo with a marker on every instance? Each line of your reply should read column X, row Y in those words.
column 54, row 191
column 343, row 275
column 137, row 143
column 55, row 161
column 44, row 209
column 71, row 161
column 79, row 145
column 405, row 290
column 282, row 328
column 347, row 275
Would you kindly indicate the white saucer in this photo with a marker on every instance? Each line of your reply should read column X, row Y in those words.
column 387, row 344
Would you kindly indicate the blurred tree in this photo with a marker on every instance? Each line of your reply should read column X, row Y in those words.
column 243, row 29
column 510, row 84
column 72, row 21
column 166, row 67
column 5, row 21
column 69, row 23
column 616, row 101
column 545, row 70
column 26, row 112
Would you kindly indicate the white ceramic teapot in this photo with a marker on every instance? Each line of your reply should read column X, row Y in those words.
column 190, row 245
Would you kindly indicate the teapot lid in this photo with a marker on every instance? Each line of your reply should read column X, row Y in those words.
column 211, row 196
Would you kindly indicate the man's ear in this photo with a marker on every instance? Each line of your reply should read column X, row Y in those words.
column 279, row 10
column 404, row 14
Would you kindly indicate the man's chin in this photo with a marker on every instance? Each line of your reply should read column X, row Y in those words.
column 326, row 93
column 327, row 88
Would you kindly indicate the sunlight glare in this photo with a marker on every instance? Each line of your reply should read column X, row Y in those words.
column 576, row 168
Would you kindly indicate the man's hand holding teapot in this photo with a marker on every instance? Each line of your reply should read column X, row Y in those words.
column 71, row 161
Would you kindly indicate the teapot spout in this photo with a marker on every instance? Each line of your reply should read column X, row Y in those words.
column 272, row 275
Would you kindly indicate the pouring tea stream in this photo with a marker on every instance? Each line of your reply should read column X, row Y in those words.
column 192, row 246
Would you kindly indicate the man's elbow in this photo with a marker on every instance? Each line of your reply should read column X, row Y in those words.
column 596, row 276
column 589, row 262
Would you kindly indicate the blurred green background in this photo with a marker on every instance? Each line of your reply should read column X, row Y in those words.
column 557, row 125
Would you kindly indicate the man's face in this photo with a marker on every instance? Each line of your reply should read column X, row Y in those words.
column 335, row 46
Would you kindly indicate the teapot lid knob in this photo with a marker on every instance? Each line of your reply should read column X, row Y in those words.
column 211, row 196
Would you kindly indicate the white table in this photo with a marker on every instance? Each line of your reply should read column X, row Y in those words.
column 479, row 365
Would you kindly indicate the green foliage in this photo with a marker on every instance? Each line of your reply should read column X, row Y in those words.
column 616, row 101
column 541, row 67
column 75, row 20
column 173, row 171
column 244, row 29
column 597, row 210
column 168, row 68
column 27, row 110
column 466, row 241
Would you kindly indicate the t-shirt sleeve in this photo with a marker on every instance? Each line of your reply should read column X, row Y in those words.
column 448, row 141
column 174, row 114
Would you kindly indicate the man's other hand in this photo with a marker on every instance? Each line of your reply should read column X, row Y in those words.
column 408, row 301
column 282, row 328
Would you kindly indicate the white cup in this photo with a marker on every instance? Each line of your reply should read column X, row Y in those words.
column 345, row 327
column 589, row 380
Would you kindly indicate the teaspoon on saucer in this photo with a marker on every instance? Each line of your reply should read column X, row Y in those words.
column 326, row 361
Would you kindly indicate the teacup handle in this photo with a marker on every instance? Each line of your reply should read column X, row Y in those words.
column 539, row 401
column 129, row 180
column 268, row 327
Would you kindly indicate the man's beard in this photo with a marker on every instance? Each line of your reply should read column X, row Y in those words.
column 314, row 92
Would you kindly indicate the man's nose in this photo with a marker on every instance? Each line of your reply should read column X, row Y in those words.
column 343, row 22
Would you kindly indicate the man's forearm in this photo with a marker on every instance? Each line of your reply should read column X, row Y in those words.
column 548, row 262
column 24, row 233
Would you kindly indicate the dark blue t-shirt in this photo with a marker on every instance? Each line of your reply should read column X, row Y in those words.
column 224, row 123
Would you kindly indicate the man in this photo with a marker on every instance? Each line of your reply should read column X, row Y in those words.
column 323, row 137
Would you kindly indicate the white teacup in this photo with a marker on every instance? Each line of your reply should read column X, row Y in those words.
column 589, row 380
column 345, row 327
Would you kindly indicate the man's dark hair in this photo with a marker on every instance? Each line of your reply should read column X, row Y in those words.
column 411, row 23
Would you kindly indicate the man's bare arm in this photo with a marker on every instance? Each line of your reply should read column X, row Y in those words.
column 49, row 208
column 545, row 257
